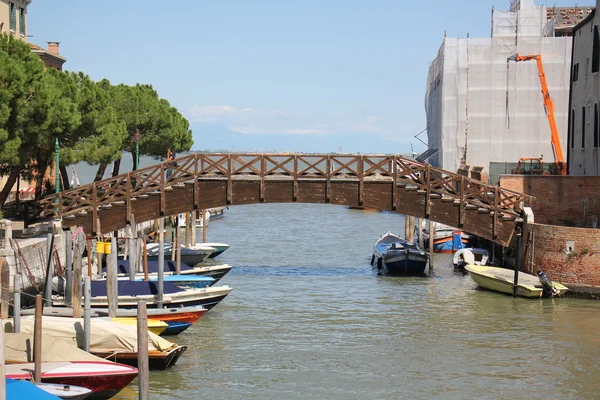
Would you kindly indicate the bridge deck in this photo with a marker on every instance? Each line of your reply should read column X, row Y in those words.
column 385, row 182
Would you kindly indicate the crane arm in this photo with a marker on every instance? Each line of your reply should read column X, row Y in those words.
column 549, row 105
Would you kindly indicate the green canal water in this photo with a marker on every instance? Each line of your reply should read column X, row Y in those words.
column 308, row 318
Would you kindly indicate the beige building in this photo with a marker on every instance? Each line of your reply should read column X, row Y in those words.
column 584, row 124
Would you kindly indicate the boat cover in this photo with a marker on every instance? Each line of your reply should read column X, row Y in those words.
column 170, row 266
column 18, row 348
column 106, row 336
column 134, row 288
column 17, row 390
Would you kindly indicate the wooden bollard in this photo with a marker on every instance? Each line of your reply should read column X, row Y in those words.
column 37, row 340
column 142, row 355
column 17, row 303
column 87, row 313
column 5, row 285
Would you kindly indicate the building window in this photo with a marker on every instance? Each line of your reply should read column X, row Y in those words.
column 583, row 127
column 575, row 72
column 596, row 51
column 596, row 125
column 12, row 17
column 572, row 128
column 22, row 21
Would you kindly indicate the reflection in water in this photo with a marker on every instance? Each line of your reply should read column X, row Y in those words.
column 308, row 318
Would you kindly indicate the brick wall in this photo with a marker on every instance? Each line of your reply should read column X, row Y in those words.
column 580, row 266
column 560, row 200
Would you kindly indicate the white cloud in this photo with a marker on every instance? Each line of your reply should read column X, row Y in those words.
column 250, row 121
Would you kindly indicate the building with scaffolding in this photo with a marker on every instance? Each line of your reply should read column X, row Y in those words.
column 483, row 110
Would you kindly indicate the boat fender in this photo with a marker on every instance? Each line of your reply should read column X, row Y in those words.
column 546, row 283
column 373, row 259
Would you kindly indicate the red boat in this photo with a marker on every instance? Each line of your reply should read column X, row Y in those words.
column 104, row 378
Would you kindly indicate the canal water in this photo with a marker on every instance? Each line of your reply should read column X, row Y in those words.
column 308, row 318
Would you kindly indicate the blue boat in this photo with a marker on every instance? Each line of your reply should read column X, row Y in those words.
column 196, row 281
column 393, row 255
column 175, row 328
column 18, row 390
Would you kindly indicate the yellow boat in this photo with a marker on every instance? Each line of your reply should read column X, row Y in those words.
column 502, row 279
column 154, row 325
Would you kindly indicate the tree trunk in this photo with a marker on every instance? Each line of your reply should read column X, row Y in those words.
column 39, row 179
column 65, row 177
column 100, row 172
column 116, row 167
column 12, row 178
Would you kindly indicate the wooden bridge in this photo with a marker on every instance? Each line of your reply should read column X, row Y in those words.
column 199, row 181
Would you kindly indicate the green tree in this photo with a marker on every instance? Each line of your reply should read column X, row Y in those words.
column 32, row 112
column 143, row 112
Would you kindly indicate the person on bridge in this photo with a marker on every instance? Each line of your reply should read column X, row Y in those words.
column 170, row 162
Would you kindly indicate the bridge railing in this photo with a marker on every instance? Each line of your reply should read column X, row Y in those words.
column 403, row 171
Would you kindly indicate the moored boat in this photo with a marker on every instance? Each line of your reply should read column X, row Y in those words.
column 446, row 239
column 471, row 255
column 393, row 255
column 65, row 392
column 22, row 389
column 188, row 255
column 131, row 292
column 215, row 271
column 109, row 340
column 219, row 248
column 63, row 363
column 502, row 280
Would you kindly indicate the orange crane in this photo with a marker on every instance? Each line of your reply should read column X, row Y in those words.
column 549, row 105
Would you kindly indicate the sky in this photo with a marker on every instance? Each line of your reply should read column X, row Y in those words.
column 272, row 75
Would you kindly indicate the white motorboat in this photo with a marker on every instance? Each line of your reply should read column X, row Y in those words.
column 476, row 256
column 189, row 256
column 219, row 248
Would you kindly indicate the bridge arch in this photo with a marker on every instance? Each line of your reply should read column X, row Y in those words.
column 206, row 180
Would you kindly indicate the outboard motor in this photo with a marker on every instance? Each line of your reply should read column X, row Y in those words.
column 547, row 284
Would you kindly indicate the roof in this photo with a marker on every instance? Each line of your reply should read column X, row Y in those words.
column 568, row 16
column 585, row 20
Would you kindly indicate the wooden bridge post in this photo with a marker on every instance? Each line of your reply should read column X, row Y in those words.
column 361, row 180
column 229, row 178
column 295, row 184
column 419, row 232
column 428, row 193
column 395, row 183
column 196, row 184
column 132, row 250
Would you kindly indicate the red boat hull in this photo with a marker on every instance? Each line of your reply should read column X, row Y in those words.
column 103, row 384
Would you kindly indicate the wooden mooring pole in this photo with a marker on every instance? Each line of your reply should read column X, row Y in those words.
column 161, row 263
column 517, row 265
column 142, row 349
column 87, row 314
column 177, row 248
column 204, row 223
column 112, row 280
column 5, row 295
column 2, row 361
column 77, row 273
column 68, row 266
column 37, row 340
column 17, row 303
column 431, row 232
